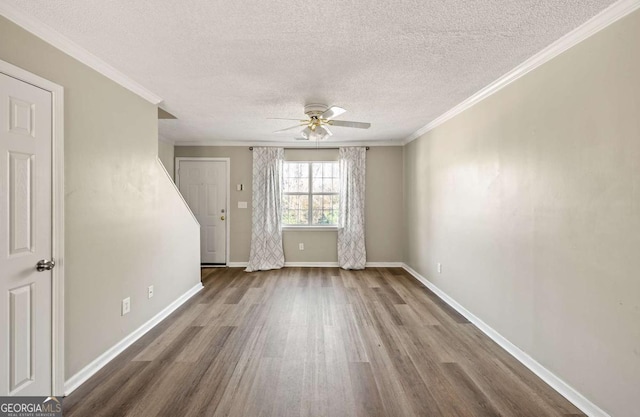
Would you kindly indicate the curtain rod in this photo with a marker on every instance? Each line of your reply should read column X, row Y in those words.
column 305, row 149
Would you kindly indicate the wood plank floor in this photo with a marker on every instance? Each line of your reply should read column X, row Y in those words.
column 315, row 342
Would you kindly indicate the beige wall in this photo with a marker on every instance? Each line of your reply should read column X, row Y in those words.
column 384, row 234
column 117, row 200
column 530, row 200
column 384, row 205
column 165, row 153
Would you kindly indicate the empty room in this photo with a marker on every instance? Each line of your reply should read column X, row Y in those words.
column 367, row 209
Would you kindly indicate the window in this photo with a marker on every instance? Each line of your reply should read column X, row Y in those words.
column 310, row 193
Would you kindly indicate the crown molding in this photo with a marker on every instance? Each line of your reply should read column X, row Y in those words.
column 600, row 21
column 54, row 38
column 289, row 144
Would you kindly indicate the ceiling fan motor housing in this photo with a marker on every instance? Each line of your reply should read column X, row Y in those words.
column 316, row 110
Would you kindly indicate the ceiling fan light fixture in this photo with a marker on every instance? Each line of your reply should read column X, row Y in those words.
column 306, row 133
column 320, row 136
column 324, row 131
column 317, row 135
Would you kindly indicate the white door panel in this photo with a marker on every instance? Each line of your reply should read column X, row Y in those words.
column 204, row 187
column 21, row 327
column 21, row 176
column 25, row 238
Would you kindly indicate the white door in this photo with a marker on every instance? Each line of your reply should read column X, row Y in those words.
column 25, row 238
column 203, row 185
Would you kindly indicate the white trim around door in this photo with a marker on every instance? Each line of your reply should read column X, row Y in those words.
column 227, row 162
column 57, row 191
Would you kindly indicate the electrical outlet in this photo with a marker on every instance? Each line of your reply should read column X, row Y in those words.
column 439, row 268
column 301, row 246
column 126, row 305
column 150, row 291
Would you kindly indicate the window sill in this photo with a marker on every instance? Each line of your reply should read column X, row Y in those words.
column 310, row 228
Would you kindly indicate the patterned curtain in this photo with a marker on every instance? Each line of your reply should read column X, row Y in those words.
column 266, row 232
column 351, row 250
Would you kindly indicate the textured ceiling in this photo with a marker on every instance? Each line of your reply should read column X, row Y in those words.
column 224, row 67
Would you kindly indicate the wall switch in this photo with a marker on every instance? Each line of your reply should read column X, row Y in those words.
column 301, row 246
column 439, row 268
column 126, row 305
column 150, row 291
column 239, row 187
column 242, row 204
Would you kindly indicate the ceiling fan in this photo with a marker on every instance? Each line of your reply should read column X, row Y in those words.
column 319, row 118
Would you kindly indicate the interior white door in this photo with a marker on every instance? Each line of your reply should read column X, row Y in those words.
column 25, row 238
column 203, row 185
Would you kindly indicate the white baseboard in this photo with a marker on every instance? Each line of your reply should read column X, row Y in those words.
column 324, row 264
column 88, row 371
column 384, row 264
column 311, row 264
column 547, row 376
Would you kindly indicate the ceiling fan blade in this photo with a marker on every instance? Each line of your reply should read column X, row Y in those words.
column 333, row 111
column 288, row 128
column 345, row 123
column 301, row 138
column 284, row 118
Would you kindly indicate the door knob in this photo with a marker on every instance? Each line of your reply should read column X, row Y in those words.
column 221, row 217
column 45, row 265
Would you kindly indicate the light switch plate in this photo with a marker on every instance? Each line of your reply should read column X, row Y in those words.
column 126, row 305
column 242, row 204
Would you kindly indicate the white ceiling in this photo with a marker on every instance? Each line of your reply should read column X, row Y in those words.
column 224, row 67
